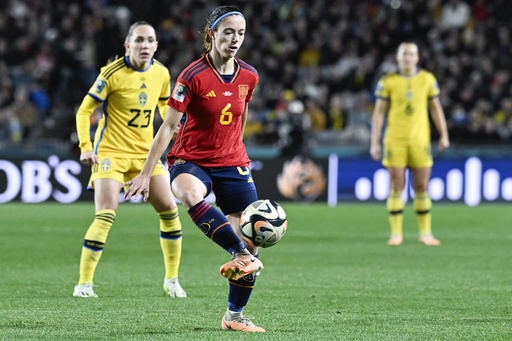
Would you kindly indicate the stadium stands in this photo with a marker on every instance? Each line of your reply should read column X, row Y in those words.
column 327, row 54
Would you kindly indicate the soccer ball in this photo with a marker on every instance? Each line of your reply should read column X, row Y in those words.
column 263, row 223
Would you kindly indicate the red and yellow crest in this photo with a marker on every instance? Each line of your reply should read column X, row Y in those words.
column 243, row 91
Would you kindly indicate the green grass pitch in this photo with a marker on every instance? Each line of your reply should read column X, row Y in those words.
column 332, row 277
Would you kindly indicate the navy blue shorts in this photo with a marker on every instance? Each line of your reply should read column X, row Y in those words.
column 233, row 186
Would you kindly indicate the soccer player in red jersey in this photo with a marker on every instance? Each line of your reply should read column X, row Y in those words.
column 213, row 93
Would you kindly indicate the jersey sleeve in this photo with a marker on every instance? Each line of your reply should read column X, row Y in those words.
column 166, row 87
column 100, row 90
column 251, row 90
column 164, row 95
column 434, row 90
column 181, row 95
column 83, row 122
column 97, row 94
column 381, row 91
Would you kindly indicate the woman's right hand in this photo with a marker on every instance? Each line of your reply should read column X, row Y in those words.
column 137, row 186
column 376, row 152
column 88, row 158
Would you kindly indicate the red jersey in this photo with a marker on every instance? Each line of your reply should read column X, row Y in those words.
column 211, row 133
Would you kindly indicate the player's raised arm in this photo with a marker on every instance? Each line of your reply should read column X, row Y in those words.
column 140, row 184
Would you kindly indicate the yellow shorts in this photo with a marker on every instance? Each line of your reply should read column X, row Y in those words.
column 120, row 169
column 407, row 155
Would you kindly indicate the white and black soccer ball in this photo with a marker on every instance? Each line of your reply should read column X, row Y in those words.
column 263, row 223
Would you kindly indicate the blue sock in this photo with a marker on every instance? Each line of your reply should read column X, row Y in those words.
column 239, row 292
column 215, row 226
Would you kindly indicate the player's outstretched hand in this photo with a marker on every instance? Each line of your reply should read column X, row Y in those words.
column 137, row 186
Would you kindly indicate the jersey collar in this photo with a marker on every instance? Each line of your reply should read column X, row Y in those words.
column 414, row 74
column 218, row 75
column 127, row 61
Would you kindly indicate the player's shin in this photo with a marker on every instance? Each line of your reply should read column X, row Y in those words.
column 239, row 292
column 170, row 241
column 94, row 242
column 423, row 205
column 215, row 226
column 395, row 207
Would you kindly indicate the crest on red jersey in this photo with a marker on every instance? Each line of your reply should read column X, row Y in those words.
column 243, row 91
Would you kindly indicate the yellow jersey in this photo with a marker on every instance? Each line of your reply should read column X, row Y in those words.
column 130, row 98
column 408, row 97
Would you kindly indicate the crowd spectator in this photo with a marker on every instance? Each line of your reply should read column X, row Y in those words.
column 455, row 14
column 324, row 53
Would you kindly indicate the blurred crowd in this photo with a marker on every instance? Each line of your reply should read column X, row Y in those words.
column 322, row 56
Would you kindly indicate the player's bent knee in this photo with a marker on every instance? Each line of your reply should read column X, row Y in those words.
column 189, row 199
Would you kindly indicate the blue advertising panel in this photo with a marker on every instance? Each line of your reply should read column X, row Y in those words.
column 472, row 180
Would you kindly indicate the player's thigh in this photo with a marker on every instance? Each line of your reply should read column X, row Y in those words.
column 160, row 195
column 134, row 167
column 395, row 160
column 106, row 194
column 395, row 155
column 420, row 155
column 109, row 168
column 234, row 188
column 190, row 183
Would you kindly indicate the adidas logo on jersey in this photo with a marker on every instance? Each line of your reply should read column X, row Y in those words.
column 143, row 86
column 211, row 94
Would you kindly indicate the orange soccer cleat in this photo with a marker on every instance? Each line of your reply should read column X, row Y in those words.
column 240, row 323
column 241, row 266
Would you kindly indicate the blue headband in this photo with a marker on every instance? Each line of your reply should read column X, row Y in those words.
column 223, row 16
